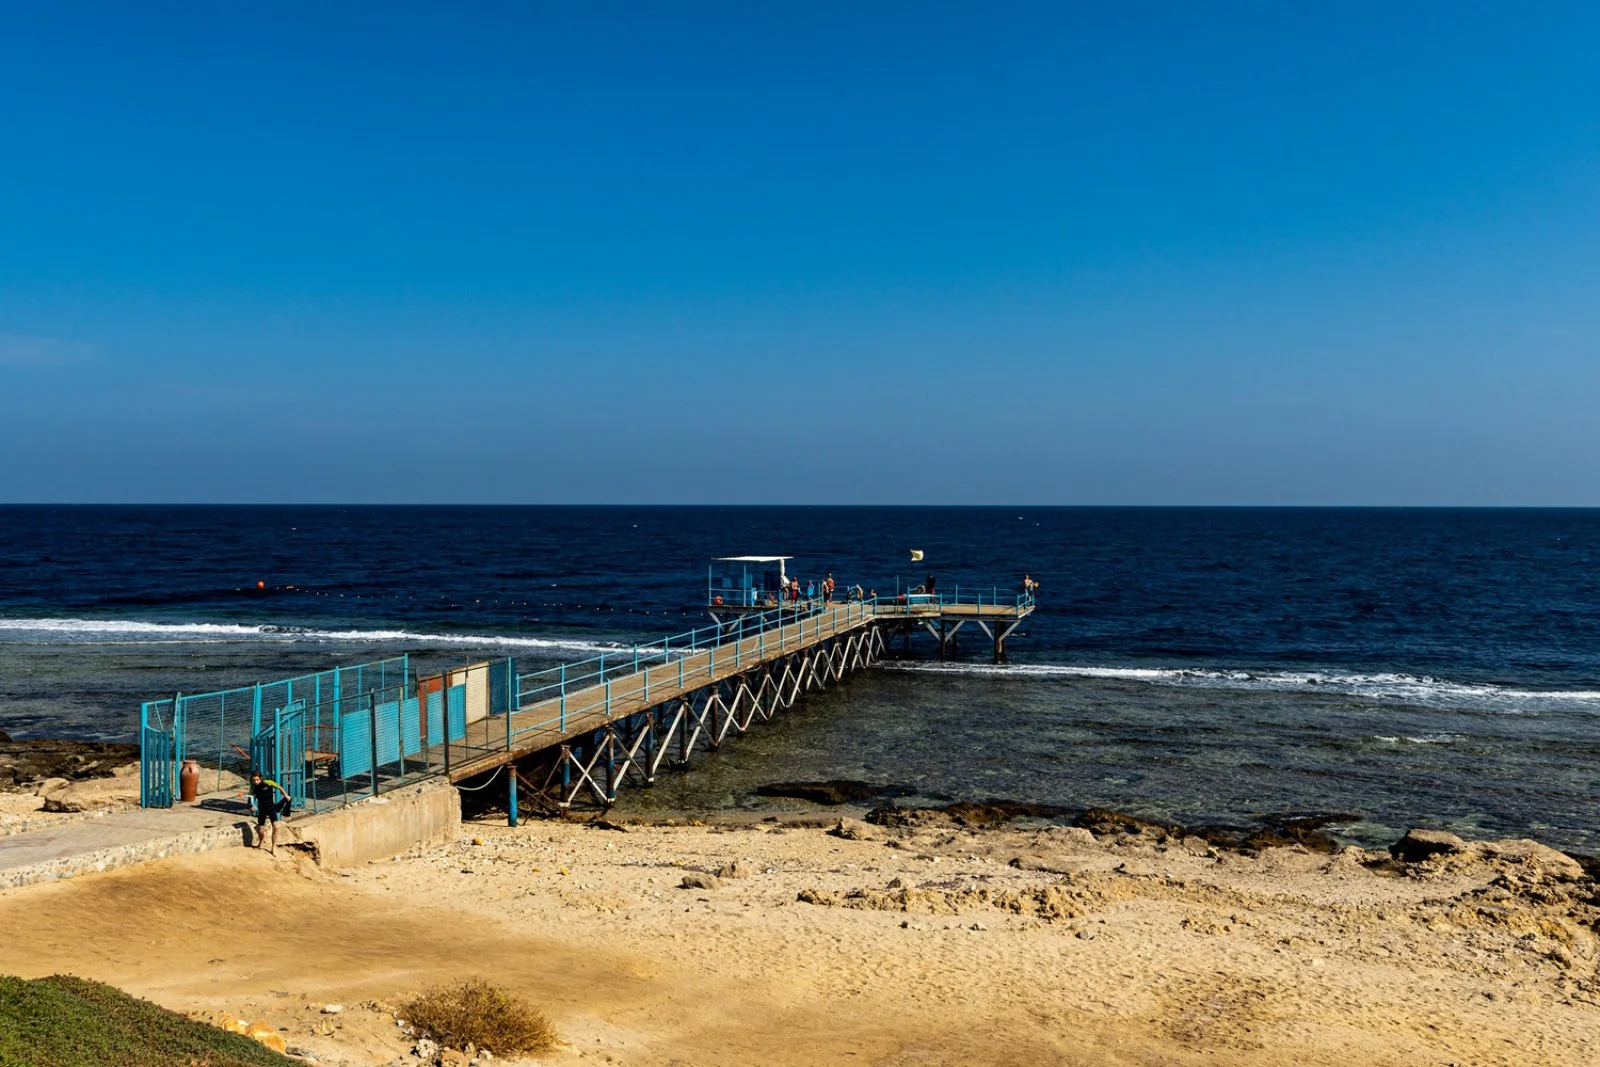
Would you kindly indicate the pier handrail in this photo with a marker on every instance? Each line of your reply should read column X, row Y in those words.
column 537, row 686
column 541, row 685
column 907, row 602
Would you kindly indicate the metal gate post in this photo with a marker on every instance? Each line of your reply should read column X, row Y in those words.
column 372, row 725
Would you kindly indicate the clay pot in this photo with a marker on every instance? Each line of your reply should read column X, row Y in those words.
column 189, row 781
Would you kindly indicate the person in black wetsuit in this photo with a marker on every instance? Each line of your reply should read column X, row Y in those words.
column 265, row 792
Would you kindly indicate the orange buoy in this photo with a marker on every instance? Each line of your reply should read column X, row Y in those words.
column 261, row 585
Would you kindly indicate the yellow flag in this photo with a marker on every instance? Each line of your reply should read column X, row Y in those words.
column 916, row 555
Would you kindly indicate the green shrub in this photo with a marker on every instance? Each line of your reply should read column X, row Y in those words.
column 62, row 1021
column 475, row 1012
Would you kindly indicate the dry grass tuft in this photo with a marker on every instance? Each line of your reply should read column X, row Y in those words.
column 475, row 1012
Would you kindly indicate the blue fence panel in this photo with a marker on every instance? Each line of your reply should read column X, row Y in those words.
column 291, row 730
column 410, row 726
column 436, row 718
column 355, row 744
column 457, row 701
column 389, row 733
column 499, row 687
column 156, row 751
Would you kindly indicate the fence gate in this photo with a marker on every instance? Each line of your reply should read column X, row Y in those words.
column 278, row 751
column 158, row 749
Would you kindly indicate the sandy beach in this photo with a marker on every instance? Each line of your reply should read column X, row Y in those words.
column 929, row 943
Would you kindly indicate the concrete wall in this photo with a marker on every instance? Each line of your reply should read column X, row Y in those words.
column 385, row 825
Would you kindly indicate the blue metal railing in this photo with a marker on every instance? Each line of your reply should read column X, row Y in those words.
column 667, row 661
column 558, row 682
column 916, row 597
column 216, row 729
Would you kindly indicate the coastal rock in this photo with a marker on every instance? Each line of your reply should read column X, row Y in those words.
column 1303, row 830
column 1053, row 903
column 1075, row 837
column 855, row 830
column 964, row 814
column 1350, row 859
column 263, row 1034
column 1419, row 845
column 118, row 789
column 995, row 812
column 1529, row 853
column 25, row 764
column 697, row 880
column 736, row 869
column 1103, row 821
column 832, row 793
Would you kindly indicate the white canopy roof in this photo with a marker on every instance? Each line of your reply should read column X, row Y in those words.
column 752, row 559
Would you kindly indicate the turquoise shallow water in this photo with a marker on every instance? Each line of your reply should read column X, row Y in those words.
column 1438, row 667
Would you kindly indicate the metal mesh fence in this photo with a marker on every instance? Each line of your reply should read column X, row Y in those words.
column 216, row 730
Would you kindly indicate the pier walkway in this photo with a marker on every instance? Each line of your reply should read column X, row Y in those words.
column 573, row 701
column 577, row 731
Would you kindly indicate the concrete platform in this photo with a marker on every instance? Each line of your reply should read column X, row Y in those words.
column 119, row 839
column 416, row 816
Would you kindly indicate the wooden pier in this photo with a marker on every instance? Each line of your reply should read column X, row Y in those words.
column 573, row 733
column 596, row 737
column 623, row 727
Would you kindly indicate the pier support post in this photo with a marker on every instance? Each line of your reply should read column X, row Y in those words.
column 651, row 724
column 611, row 765
column 511, row 795
column 683, row 734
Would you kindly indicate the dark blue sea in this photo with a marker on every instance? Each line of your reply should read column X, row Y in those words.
column 1406, row 667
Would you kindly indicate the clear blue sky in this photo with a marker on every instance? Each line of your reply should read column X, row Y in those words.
column 909, row 253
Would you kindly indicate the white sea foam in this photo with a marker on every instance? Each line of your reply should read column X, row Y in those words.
column 128, row 631
column 1396, row 688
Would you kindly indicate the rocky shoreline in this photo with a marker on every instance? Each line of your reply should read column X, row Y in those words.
column 46, row 780
column 973, row 934
column 26, row 764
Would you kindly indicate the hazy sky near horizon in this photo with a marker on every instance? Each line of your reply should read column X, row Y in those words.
column 825, row 253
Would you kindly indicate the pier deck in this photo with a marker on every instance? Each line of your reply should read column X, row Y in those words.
column 342, row 735
column 546, row 719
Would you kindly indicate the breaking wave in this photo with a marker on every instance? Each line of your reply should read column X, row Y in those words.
column 1415, row 689
column 125, row 631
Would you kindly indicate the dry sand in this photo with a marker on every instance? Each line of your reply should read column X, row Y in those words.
column 933, row 944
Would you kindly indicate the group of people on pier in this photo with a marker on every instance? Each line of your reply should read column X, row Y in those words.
column 794, row 593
